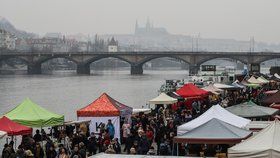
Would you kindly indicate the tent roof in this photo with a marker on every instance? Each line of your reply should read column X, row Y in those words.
column 163, row 99
column 214, row 131
column 271, row 91
column 13, row 128
column 190, row 90
column 266, row 140
column 253, row 80
column 262, row 79
column 216, row 111
column 2, row 134
column 224, row 86
column 251, row 110
column 104, row 106
column 211, row 88
column 275, row 98
column 30, row 114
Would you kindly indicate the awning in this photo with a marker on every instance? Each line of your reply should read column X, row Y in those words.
column 163, row 99
column 211, row 88
column 264, row 144
column 262, row 80
column 225, row 86
column 213, row 131
column 104, row 106
column 13, row 128
column 191, row 91
column 253, row 80
column 30, row 114
column 251, row 110
column 275, row 98
column 215, row 111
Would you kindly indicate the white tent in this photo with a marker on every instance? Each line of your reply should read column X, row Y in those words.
column 264, row 144
column 253, row 80
column 163, row 99
column 277, row 76
column 2, row 134
column 223, row 86
column 215, row 111
column 211, row 88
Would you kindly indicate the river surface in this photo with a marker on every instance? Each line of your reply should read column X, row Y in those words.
column 64, row 92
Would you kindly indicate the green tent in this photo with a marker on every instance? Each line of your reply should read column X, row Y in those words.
column 30, row 114
column 251, row 110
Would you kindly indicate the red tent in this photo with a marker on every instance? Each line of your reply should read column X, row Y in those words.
column 191, row 91
column 104, row 106
column 13, row 128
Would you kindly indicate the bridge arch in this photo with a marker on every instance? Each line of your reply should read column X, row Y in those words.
column 205, row 59
column 24, row 60
column 98, row 58
column 149, row 58
column 45, row 59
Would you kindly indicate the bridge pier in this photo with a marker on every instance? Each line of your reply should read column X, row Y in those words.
column 83, row 69
column 34, row 69
column 193, row 70
column 136, row 70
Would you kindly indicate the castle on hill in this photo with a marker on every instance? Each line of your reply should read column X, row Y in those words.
column 149, row 30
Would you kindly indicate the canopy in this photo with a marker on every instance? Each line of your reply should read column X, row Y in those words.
column 271, row 92
column 176, row 96
column 237, row 84
column 252, row 85
column 275, row 79
column 163, row 99
column 104, row 106
column 276, row 75
column 2, row 134
column 251, row 110
column 264, row 144
column 13, row 128
column 30, row 114
column 275, row 98
column 216, row 111
column 214, row 131
column 253, row 80
column 211, row 88
column 190, row 90
column 262, row 79
column 224, row 86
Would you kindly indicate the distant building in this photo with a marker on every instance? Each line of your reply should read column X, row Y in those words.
column 113, row 45
column 7, row 40
column 149, row 30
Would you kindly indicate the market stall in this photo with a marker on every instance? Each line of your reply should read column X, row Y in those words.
column 215, row 111
column 191, row 91
column 252, row 111
column 163, row 99
column 30, row 114
column 213, row 131
column 264, row 144
column 12, row 128
column 103, row 109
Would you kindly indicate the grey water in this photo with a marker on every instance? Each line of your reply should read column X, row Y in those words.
column 64, row 92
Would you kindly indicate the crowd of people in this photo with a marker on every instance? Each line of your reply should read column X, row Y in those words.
column 144, row 134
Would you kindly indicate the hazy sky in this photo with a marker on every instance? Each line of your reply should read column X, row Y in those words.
column 238, row 19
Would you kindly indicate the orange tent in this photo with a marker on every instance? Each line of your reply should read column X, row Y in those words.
column 104, row 106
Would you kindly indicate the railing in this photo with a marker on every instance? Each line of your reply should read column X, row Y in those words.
column 138, row 53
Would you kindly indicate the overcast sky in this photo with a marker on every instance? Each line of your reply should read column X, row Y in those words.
column 238, row 19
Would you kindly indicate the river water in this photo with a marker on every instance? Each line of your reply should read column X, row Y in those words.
column 64, row 92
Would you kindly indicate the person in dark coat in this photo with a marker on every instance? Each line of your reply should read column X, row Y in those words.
column 51, row 153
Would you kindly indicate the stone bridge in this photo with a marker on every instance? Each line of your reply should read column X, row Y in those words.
column 83, row 60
